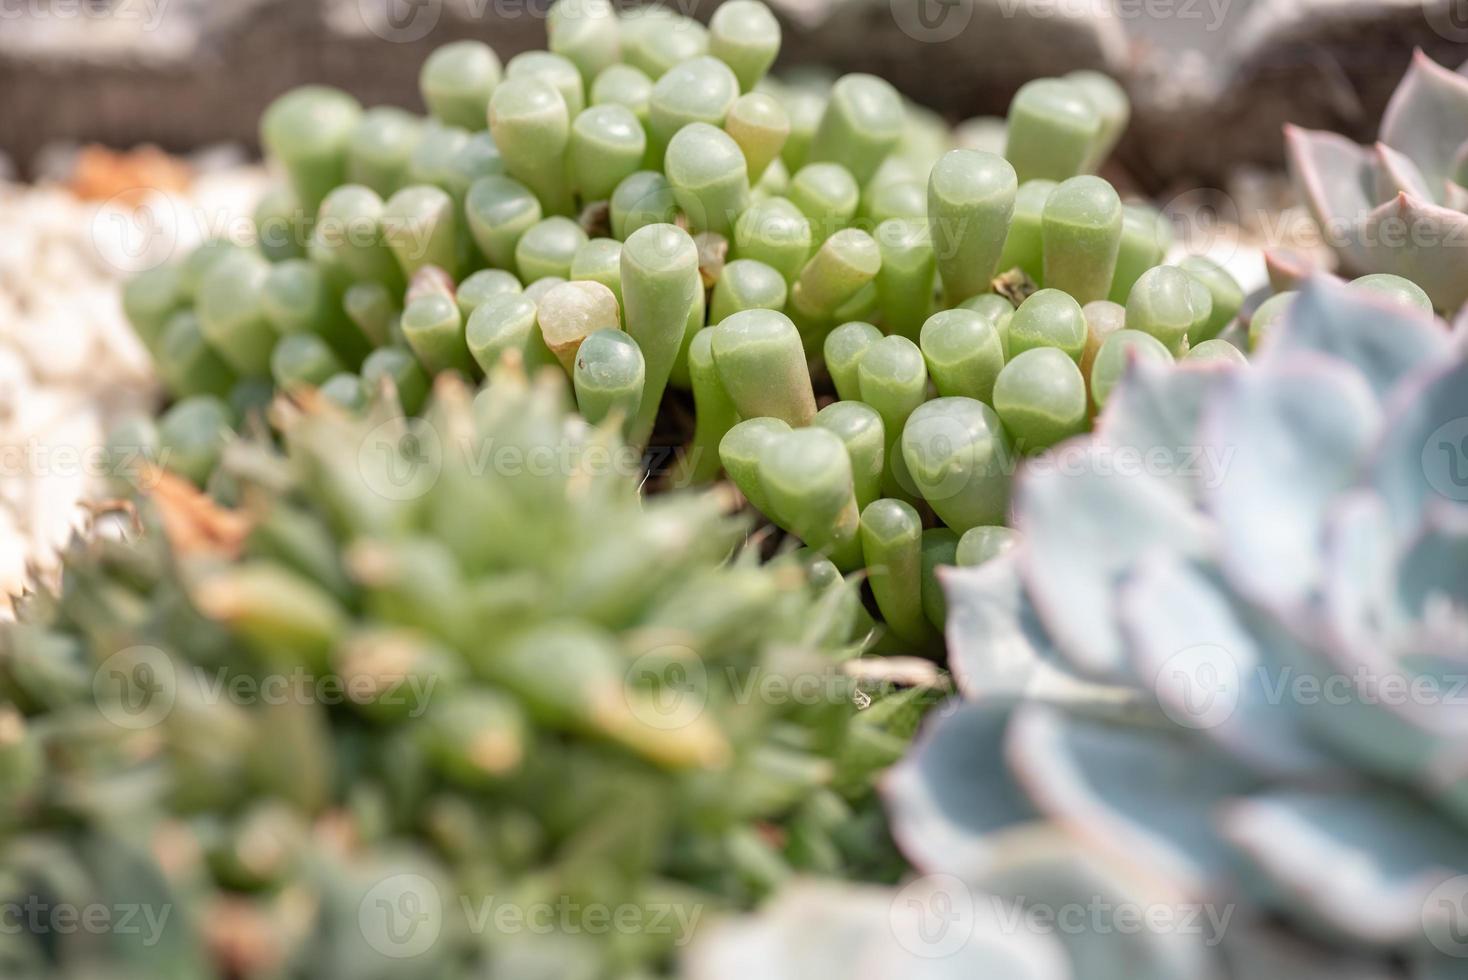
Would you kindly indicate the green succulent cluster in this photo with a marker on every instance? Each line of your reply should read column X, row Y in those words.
column 643, row 207
column 440, row 666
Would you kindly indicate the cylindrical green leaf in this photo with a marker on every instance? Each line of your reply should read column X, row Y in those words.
column 740, row 451
column 746, row 284
column 573, row 311
column 531, row 123
column 700, row 90
column 192, row 435
column 1103, row 318
column 843, row 350
column 1024, row 247
column 302, row 359
column 1053, row 130
column 1112, row 107
column 892, row 544
column 714, row 412
column 1040, row 397
column 1145, row 238
column 381, row 148
column 420, row 227
column 762, row 365
column 1216, row 349
column 1049, row 318
column 298, row 299
column 774, row 231
column 434, row 329
column 1117, row 351
column 503, row 323
column 970, row 200
column 844, row 264
column 482, row 286
column 860, row 428
column 150, row 298
column 827, row 194
column 940, row 549
column 1081, row 230
column 1170, row 305
column 600, row 260
column 346, row 390
column 623, row 85
column 862, row 123
column 548, row 247
column 905, row 280
column 281, row 225
column 552, row 68
column 708, row 177
column 994, row 308
column 609, row 376
column 654, row 39
column 350, row 227
column 371, row 306
column 308, row 130
column 188, row 364
column 760, row 125
column 1228, row 296
column 643, row 198
column 964, row 353
column 806, row 475
column 745, row 35
column 981, row 544
column 893, row 378
column 457, row 81
column 401, row 367
column 1270, row 312
column 959, row 458
column 500, row 210
column 232, row 317
column 607, row 146
column 660, row 281
column 585, row 33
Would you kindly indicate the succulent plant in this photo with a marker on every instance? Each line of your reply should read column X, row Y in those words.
column 436, row 663
column 1223, row 657
column 1401, row 206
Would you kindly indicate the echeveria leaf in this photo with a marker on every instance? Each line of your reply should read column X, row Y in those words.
column 1150, row 795
column 1087, row 520
column 1211, row 669
column 1336, row 178
column 1155, row 414
column 1357, row 595
column 1049, row 869
column 1270, row 949
column 1427, row 118
column 1423, row 452
column 1383, row 340
column 1397, row 174
column 997, row 647
column 1297, row 430
column 951, row 797
column 1360, row 864
column 933, row 929
column 1420, row 241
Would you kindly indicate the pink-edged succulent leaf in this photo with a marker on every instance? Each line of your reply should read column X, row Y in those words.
column 1427, row 119
column 1301, row 841
column 951, row 799
column 1208, row 662
column 1149, row 795
column 1421, row 241
column 1397, row 174
column 1336, row 177
column 1089, row 513
column 997, row 647
column 1384, row 340
column 1422, row 457
column 1287, row 269
column 1155, row 413
column 1297, row 429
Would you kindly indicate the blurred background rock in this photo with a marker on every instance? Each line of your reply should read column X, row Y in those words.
column 1212, row 80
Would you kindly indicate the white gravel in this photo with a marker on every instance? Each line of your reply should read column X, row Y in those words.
column 69, row 362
